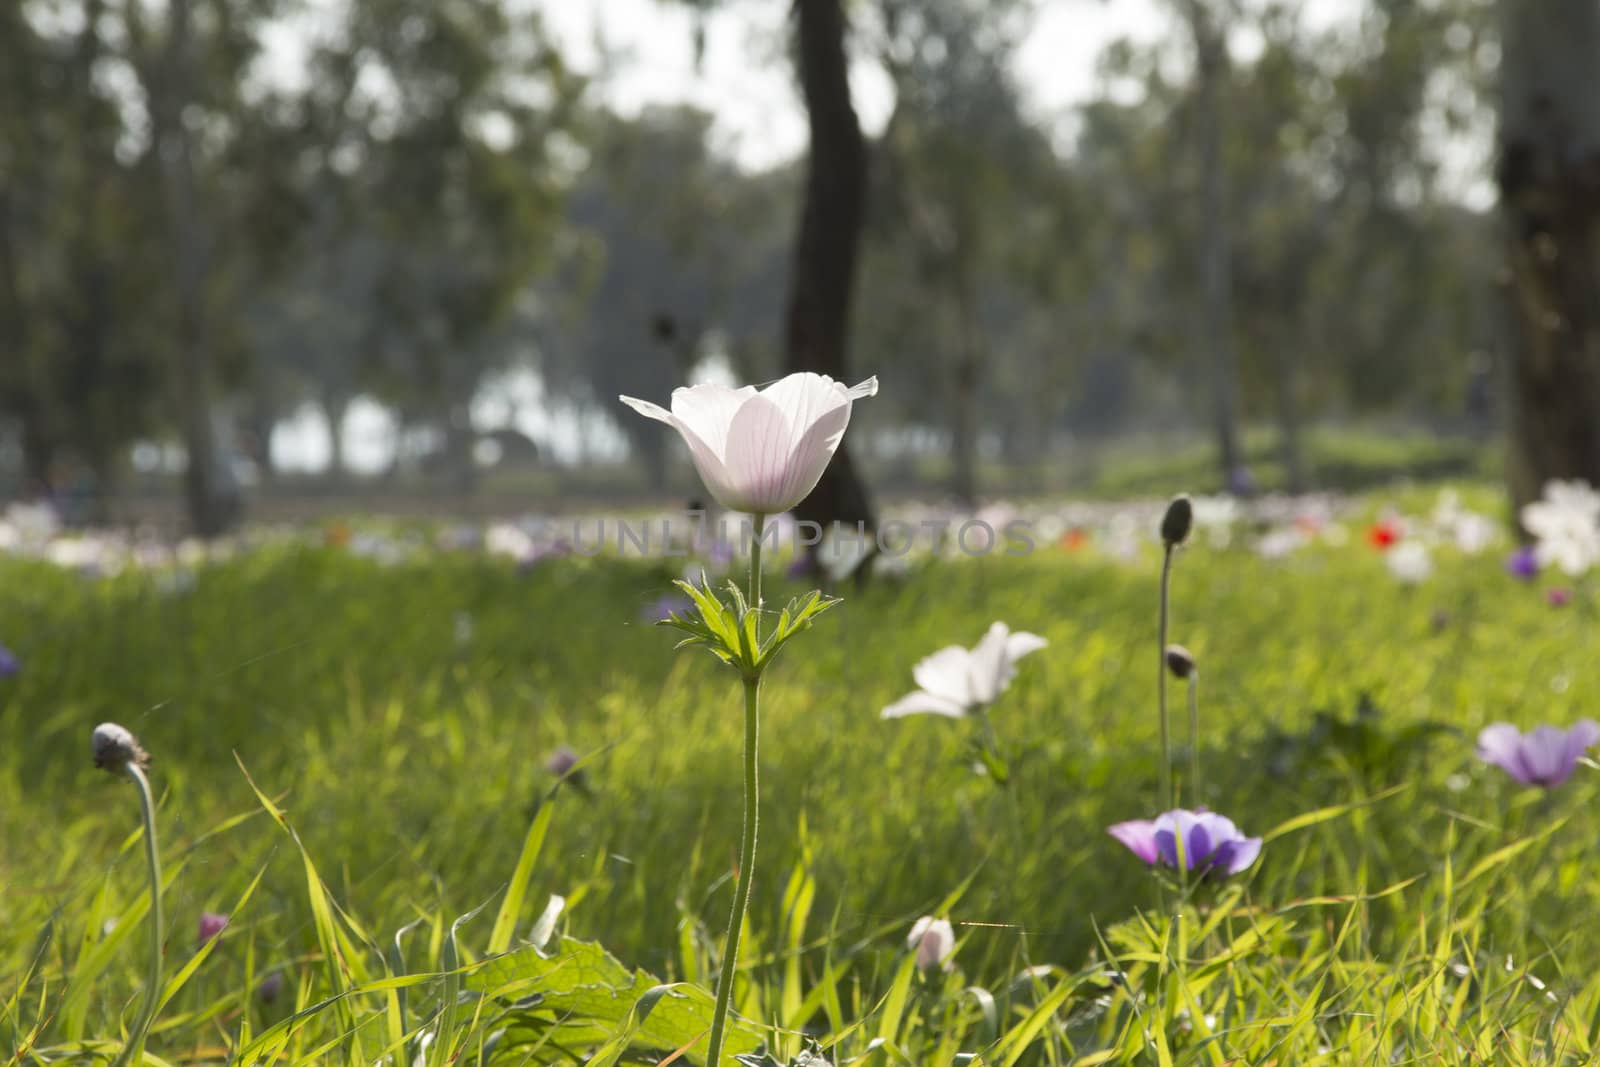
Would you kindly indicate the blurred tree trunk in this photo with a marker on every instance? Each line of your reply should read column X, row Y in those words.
column 207, row 516
column 335, row 405
column 964, row 413
column 1287, row 384
column 1549, row 177
column 818, row 322
column 1216, row 263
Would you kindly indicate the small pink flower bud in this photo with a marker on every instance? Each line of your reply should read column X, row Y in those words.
column 211, row 924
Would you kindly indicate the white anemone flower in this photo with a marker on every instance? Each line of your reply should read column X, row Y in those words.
column 1410, row 562
column 956, row 681
column 1566, row 524
column 761, row 452
column 1216, row 515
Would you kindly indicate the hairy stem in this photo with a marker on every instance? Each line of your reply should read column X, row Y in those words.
column 1167, row 802
column 133, row 1050
column 752, row 818
column 1193, row 786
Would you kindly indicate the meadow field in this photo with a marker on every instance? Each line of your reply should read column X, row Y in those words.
column 361, row 749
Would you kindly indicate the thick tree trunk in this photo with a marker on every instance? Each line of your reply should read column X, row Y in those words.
column 1549, row 176
column 207, row 514
column 1216, row 265
column 826, row 250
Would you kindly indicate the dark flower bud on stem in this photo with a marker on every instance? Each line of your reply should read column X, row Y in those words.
column 1175, row 524
column 1180, row 661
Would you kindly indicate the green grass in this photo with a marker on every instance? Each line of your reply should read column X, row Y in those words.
column 1407, row 923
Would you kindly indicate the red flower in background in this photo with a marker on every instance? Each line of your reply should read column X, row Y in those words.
column 1383, row 534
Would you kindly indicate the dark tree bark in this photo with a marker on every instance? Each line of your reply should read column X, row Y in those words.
column 1549, row 177
column 1216, row 262
column 335, row 405
column 826, row 251
column 964, row 408
column 208, row 515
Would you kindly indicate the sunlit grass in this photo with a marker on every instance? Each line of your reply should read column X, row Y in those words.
column 1430, row 911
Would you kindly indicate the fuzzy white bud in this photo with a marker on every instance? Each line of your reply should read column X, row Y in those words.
column 115, row 747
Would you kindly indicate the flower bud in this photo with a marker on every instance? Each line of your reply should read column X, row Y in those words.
column 211, row 924
column 1180, row 661
column 115, row 748
column 932, row 940
column 269, row 987
column 1176, row 522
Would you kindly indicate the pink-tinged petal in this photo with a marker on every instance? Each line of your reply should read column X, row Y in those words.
column 1499, row 744
column 811, row 454
column 922, row 703
column 806, row 398
column 947, row 674
column 708, row 411
column 707, row 463
column 1020, row 644
column 757, row 457
column 1139, row 835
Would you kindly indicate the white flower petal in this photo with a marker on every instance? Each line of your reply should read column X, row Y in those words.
column 921, row 703
column 991, row 668
column 948, row 674
column 810, row 456
column 706, row 461
column 1020, row 644
column 862, row 390
column 709, row 411
column 758, row 457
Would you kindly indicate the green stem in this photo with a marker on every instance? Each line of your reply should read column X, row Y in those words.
column 1167, row 801
column 134, row 1048
column 752, row 818
column 1194, row 737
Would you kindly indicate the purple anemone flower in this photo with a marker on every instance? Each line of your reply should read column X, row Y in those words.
column 10, row 665
column 211, row 924
column 1523, row 563
column 561, row 761
column 1545, row 757
column 1212, row 844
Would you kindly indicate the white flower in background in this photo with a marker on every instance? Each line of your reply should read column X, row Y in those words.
column 1123, row 536
column 1474, row 532
column 763, row 451
column 932, row 940
column 1281, row 542
column 1215, row 516
column 956, row 681
column 1409, row 562
column 30, row 526
column 1566, row 526
column 504, row 539
column 1471, row 531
